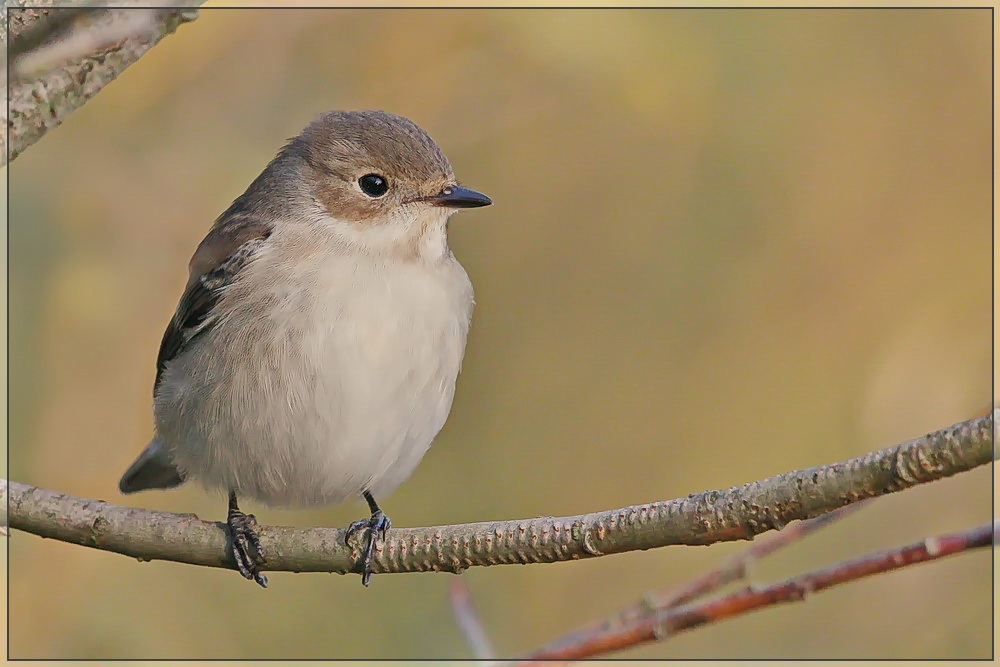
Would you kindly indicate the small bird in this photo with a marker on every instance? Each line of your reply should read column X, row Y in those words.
column 314, row 352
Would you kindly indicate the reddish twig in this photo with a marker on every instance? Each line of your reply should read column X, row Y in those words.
column 468, row 620
column 661, row 623
column 736, row 567
column 732, row 570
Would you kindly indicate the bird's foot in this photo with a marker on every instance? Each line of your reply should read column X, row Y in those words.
column 378, row 524
column 245, row 549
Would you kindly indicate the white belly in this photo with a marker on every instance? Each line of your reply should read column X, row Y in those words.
column 339, row 380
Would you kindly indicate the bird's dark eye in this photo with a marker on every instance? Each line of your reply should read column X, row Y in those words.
column 373, row 185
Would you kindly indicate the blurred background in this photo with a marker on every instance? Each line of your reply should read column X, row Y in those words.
column 725, row 245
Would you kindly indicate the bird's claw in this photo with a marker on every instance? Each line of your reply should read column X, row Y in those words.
column 378, row 524
column 246, row 549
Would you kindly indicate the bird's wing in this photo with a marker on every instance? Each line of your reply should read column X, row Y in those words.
column 232, row 242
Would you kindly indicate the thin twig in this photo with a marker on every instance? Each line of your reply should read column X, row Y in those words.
column 736, row 567
column 732, row 570
column 664, row 623
column 468, row 620
column 737, row 513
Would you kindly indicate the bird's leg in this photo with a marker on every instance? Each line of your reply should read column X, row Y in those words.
column 378, row 524
column 245, row 548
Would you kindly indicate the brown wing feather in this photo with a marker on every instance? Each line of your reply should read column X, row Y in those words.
column 232, row 241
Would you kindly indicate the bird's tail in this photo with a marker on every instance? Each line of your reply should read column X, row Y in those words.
column 152, row 470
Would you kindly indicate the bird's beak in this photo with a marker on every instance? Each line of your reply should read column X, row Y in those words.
column 454, row 196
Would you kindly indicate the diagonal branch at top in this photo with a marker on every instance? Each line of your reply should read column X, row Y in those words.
column 33, row 105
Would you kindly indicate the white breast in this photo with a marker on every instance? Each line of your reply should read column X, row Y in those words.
column 341, row 372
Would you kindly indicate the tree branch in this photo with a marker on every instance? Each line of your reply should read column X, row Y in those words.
column 661, row 623
column 33, row 107
column 619, row 626
column 737, row 513
column 30, row 12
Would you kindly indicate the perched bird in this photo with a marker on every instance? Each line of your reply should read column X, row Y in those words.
column 314, row 352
